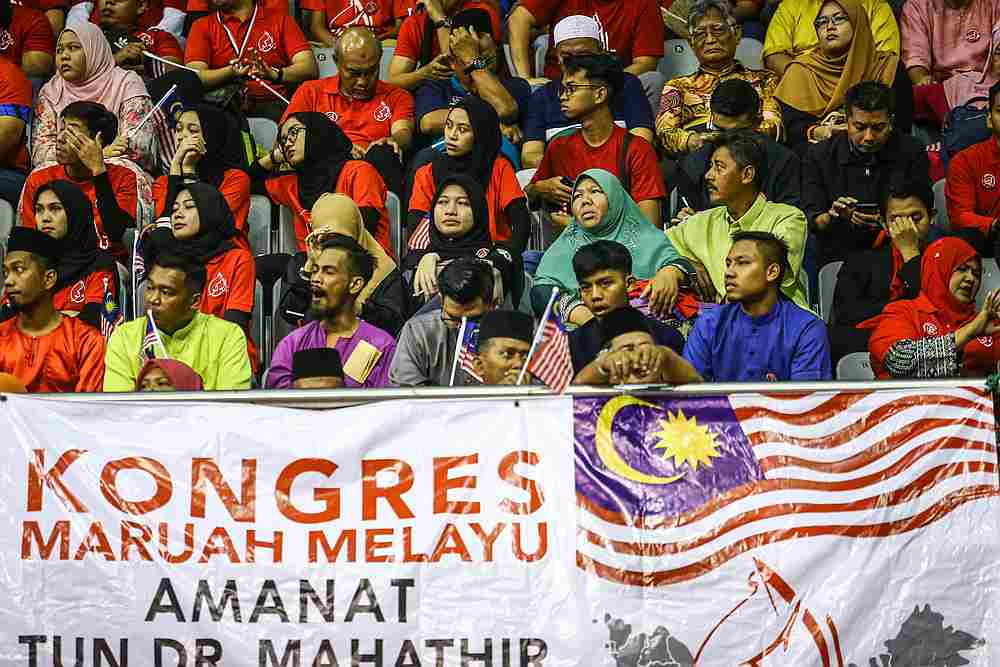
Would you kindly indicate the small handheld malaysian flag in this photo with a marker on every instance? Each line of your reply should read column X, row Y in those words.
column 421, row 238
column 111, row 314
column 152, row 340
column 466, row 351
column 549, row 357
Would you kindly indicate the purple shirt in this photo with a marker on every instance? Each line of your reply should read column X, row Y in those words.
column 313, row 335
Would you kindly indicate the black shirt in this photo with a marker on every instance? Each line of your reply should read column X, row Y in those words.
column 586, row 341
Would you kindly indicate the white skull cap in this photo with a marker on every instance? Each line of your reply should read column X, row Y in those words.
column 575, row 27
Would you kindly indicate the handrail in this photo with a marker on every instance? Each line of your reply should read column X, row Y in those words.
column 334, row 398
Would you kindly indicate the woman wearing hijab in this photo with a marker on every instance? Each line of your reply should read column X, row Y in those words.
column 459, row 227
column 209, row 150
column 602, row 210
column 472, row 148
column 812, row 90
column 167, row 375
column 939, row 334
column 86, row 72
column 384, row 301
column 318, row 153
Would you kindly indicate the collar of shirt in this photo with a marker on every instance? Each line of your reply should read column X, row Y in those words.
column 233, row 21
column 766, row 318
column 847, row 154
column 185, row 332
column 734, row 68
column 749, row 217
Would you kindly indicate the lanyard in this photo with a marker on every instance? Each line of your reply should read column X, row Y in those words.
column 246, row 38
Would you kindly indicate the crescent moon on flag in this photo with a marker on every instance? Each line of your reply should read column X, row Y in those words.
column 604, row 442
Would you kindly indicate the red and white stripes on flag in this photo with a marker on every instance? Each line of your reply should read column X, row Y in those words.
column 851, row 465
column 421, row 237
column 551, row 362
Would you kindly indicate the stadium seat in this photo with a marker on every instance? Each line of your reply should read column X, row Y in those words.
column 267, row 295
column 6, row 224
column 991, row 280
column 396, row 231
column 941, row 204
column 287, row 242
column 678, row 59
column 259, row 225
column 749, row 53
column 387, row 54
column 827, row 285
column 264, row 131
column 536, row 241
column 324, row 58
column 855, row 366
column 125, row 291
column 541, row 45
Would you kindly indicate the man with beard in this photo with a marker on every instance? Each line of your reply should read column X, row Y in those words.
column 337, row 275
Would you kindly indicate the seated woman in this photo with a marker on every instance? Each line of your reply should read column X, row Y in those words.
column 472, row 148
column 601, row 210
column 813, row 87
column 168, row 375
column 86, row 271
column 319, row 155
column 385, row 301
column 87, row 72
column 209, row 150
column 940, row 334
column 460, row 228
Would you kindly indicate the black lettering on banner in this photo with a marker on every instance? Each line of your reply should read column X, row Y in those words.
column 439, row 645
column 357, row 657
column 402, row 585
column 32, row 641
column 290, row 657
column 57, row 654
column 486, row 657
column 102, row 650
column 160, row 643
column 269, row 590
column 216, row 611
column 536, row 658
column 409, row 652
column 364, row 586
column 326, row 652
column 307, row 592
column 202, row 660
column 157, row 606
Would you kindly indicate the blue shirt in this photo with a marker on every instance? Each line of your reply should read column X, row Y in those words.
column 543, row 117
column 789, row 343
column 437, row 95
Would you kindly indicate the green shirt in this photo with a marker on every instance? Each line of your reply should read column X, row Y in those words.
column 706, row 237
column 214, row 348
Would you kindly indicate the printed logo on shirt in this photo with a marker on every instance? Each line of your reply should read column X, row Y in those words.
column 989, row 181
column 79, row 292
column 6, row 40
column 972, row 35
column 770, row 377
column 482, row 253
column 383, row 112
column 218, row 286
column 930, row 328
column 986, row 341
column 266, row 43
column 333, row 116
column 146, row 39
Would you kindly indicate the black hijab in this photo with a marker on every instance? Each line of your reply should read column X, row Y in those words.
column 81, row 253
column 327, row 151
column 223, row 143
column 487, row 136
column 217, row 227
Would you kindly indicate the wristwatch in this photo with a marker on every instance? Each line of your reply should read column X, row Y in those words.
column 443, row 23
column 480, row 62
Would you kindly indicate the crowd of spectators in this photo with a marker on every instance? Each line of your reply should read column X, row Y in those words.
column 455, row 198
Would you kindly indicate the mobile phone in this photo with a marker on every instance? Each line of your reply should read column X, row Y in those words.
column 867, row 209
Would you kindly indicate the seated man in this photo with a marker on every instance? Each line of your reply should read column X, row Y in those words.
column 113, row 189
column 734, row 189
column 870, row 279
column 632, row 31
column 629, row 354
column 26, row 39
column 604, row 271
column 758, row 335
column 119, row 19
column 426, row 349
column 45, row 350
column 167, row 15
column 328, row 19
column 377, row 117
column 844, row 177
column 15, row 113
column 589, row 85
column 791, row 31
column 214, row 348
column 543, row 118
column 736, row 106
column 317, row 368
column 504, row 342
column 682, row 124
column 338, row 273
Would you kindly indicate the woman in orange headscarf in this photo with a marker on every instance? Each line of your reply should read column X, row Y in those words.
column 940, row 334
column 812, row 90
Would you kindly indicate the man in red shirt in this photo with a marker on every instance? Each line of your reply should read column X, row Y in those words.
column 167, row 15
column 419, row 54
column 15, row 112
column 87, row 127
column 633, row 31
column 589, row 84
column 26, row 39
column 245, row 39
column 329, row 18
column 120, row 22
column 377, row 117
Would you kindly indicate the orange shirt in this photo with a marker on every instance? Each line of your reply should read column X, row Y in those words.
column 504, row 188
column 231, row 278
column 68, row 359
column 358, row 180
column 235, row 189
column 363, row 121
column 274, row 36
column 73, row 298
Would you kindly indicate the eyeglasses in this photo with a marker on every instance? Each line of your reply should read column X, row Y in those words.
column 570, row 89
column 292, row 135
column 718, row 31
column 837, row 21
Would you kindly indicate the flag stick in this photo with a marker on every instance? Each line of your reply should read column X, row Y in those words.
column 274, row 92
column 538, row 335
column 458, row 351
column 159, row 104
column 168, row 62
column 156, row 330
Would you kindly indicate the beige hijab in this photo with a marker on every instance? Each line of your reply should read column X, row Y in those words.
column 338, row 214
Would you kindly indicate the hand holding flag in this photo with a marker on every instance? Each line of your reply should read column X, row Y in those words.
column 466, row 351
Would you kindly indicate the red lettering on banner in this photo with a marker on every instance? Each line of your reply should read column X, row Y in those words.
column 487, row 538
column 450, row 542
column 348, row 540
column 53, row 479
column 372, row 543
column 408, row 555
column 206, row 471
column 329, row 497
column 165, row 544
column 96, row 542
column 443, row 483
column 275, row 546
column 543, row 544
column 371, row 491
column 31, row 532
column 218, row 543
column 130, row 539
column 160, row 475
column 507, row 474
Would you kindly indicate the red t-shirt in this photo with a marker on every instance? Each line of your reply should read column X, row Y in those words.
column 29, row 31
column 340, row 14
column 570, row 156
column 358, row 180
column 122, row 183
column 632, row 28
column 73, row 298
column 43, row 5
column 411, row 33
column 972, row 187
column 15, row 101
column 273, row 6
column 276, row 38
column 504, row 188
column 151, row 17
column 403, row 8
column 230, row 281
column 363, row 121
column 161, row 43
column 236, row 190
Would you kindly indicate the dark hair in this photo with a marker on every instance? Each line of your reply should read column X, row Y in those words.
column 994, row 89
column 903, row 188
column 601, row 255
column 97, row 118
column 870, row 96
column 360, row 261
column 194, row 273
column 735, row 97
column 772, row 249
column 600, row 67
column 746, row 150
column 465, row 279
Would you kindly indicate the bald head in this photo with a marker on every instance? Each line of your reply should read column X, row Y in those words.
column 358, row 55
column 358, row 40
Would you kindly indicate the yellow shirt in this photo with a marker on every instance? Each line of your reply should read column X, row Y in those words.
column 791, row 29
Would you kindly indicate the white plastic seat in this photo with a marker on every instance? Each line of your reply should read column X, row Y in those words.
column 6, row 224
column 394, row 207
column 827, row 286
column 259, row 225
column 855, row 366
column 750, row 53
column 991, row 280
column 325, row 60
column 941, row 204
column 678, row 59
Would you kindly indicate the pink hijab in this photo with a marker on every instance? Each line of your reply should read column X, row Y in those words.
column 103, row 82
